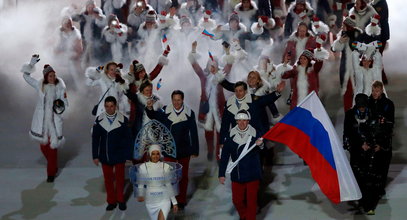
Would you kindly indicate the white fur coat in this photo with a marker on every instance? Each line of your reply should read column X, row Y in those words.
column 45, row 123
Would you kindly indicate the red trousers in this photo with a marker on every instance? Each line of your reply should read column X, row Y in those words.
column 244, row 196
column 348, row 96
column 183, row 184
column 114, row 182
column 52, row 158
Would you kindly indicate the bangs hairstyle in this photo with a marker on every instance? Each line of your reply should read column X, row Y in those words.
column 45, row 81
column 309, row 61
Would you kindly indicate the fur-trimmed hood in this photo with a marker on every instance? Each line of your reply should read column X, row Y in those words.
column 254, row 5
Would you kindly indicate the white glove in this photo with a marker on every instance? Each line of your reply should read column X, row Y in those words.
column 34, row 59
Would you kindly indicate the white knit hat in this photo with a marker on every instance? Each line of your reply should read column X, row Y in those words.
column 242, row 115
column 154, row 147
column 151, row 16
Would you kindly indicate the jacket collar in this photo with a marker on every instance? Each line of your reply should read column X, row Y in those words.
column 239, row 139
column 176, row 118
column 104, row 121
column 233, row 108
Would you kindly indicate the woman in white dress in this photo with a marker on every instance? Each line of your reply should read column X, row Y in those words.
column 154, row 185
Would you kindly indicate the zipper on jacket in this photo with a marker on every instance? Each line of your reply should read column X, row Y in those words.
column 238, row 169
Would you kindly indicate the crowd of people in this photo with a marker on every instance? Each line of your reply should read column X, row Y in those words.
column 257, row 49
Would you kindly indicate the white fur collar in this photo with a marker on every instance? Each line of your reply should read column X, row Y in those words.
column 231, row 103
column 176, row 118
column 59, row 86
column 235, row 133
column 104, row 122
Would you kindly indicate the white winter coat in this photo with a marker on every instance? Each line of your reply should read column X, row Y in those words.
column 94, row 78
column 364, row 78
column 45, row 123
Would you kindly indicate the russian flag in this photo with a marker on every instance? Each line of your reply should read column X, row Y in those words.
column 164, row 38
column 206, row 33
column 159, row 84
column 210, row 55
column 308, row 132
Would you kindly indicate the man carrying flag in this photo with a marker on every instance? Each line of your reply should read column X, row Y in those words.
column 308, row 131
column 246, row 171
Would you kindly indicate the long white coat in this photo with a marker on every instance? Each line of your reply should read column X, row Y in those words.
column 364, row 78
column 40, row 117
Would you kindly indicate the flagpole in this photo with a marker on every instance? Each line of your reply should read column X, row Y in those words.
column 306, row 98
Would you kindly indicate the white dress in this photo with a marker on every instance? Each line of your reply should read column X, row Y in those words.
column 155, row 185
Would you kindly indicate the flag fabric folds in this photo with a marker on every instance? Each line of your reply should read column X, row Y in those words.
column 308, row 131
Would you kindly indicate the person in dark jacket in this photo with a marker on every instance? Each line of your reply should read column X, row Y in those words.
column 246, row 174
column 181, row 122
column 383, row 10
column 111, row 147
column 382, row 109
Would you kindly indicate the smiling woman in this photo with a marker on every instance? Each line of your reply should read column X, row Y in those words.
column 46, row 125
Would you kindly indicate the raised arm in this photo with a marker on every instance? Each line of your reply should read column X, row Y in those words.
column 29, row 68
column 162, row 61
column 192, row 57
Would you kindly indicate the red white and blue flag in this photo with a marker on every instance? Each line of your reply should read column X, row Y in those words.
column 164, row 38
column 159, row 84
column 206, row 33
column 308, row 132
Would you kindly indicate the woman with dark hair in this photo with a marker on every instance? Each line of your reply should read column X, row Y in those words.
column 367, row 64
column 47, row 121
column 138, row 75
column 154, row 185
column 304, row 76
column 140, row 100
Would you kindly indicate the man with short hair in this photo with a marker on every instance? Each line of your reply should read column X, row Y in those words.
column 111, row 146
column 180, row 120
